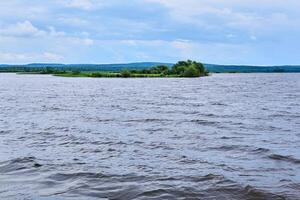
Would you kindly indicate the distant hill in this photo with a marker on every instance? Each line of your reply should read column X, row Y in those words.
column 91, row 67
column 250, row 69
column 143, row 65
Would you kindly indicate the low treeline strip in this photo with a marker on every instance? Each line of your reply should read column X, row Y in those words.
column 181, row 69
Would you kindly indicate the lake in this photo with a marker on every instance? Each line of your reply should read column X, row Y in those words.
column 227, row 136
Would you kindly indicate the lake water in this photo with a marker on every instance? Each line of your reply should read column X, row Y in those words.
column 227, row 136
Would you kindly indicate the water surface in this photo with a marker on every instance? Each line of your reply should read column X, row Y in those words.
column 228, row 136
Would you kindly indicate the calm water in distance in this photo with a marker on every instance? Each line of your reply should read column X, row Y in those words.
column 227, row 136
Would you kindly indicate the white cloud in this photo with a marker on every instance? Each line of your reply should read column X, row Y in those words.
column 27, row 30
column 29, row 57
column 180, row 49
column 53, row 33
column 83, row 4
column 184, row 47
column 22, row 29
column 74, row 21
column 85, row 41
column 246, row 15
column 51, row 56
column 14, row 9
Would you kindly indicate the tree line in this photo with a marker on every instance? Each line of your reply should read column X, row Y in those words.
column 187, row 68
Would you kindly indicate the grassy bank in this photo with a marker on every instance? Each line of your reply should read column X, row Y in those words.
column 112, row 75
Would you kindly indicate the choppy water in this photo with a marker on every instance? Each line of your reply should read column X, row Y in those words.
column 228, row 136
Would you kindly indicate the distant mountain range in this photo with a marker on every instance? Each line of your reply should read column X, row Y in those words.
column 143, row 65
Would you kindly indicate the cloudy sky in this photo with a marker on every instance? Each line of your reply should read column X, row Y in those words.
column 259, row 32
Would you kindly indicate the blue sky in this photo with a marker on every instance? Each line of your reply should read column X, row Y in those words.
column 258, row 32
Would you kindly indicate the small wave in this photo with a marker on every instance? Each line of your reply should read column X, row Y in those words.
column 231, row 191
column 260, row 150
column 209, row 115
column 253, row 193
column 204, row 122
column 243, row 148
column 97, row 119
column 147, row 120
column 2, row 132
column 229, row 138
column 218, row 104
column 229, row 147
column 284, row 158
column 78, row 175
column 133, row 186
column 18, row 164
column 54, row 108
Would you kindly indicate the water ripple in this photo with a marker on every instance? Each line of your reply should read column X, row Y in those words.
column 223, row 137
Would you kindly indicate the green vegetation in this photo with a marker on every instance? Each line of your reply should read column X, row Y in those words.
column 125, row 74
column 191, row 72
column 33, row 70
column 187, row 69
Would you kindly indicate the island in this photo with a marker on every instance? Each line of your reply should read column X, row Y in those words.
column 188, row 69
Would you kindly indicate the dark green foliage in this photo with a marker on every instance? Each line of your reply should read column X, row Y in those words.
column 160, row 69
column 96, row 75
column 181, row 69
column 75, row 72
column 191, row 71
column 104, row 75
column 48, row 70
column 188, row 69
column 125, row 74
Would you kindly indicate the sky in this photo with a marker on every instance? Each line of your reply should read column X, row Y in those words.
column 252, row 32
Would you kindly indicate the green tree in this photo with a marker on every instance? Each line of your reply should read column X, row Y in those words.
column 125, row 74
column 191, row 71
column 96, row 74
column 161, row 69
column 179, row 67
column 199, row 66
column 188, row 69
column 76, row 72
column 48, row 70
